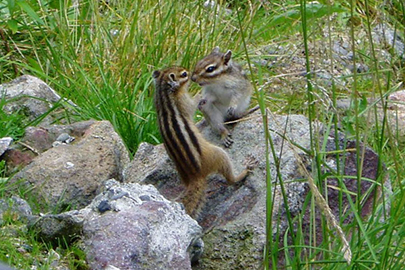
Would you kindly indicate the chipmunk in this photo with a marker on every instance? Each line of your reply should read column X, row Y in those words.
column 226, row 91
column 194, row 157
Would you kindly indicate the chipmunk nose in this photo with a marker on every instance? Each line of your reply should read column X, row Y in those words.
column 194, row 77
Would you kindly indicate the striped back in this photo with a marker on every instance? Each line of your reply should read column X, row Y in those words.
column 180, row 139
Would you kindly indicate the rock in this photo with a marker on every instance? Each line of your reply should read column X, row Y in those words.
column 69, row 175
column 344, row 104
column 397, row 100
column 147, row 166
column 5, row 267
column 17, row 158
column 341, row 50
column 5, row 144
column 147, row 159
column 40, row 139
column 139, row 230
column 360, row 68
column 66, row 226
column 55, row 262
column 16, row 208
column 142, row 230
column 384, row 35
column 395, row 116
column 33, row 98
column 64, row 138
column 234, row 217
column 37, row 140
column 372, row 168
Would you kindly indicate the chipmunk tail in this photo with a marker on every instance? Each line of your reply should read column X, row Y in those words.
column 194, row 198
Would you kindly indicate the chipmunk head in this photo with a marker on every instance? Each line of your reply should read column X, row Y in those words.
column 211, row 67
column 171, row 79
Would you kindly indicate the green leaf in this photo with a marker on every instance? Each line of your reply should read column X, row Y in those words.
column 56, row 4
column 30, row 12
column 13, row 25
column 11, row 7
column 363, row 104
column 313, row 10
column 34, row 64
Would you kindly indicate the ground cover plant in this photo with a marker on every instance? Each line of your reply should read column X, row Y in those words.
column 100, row 55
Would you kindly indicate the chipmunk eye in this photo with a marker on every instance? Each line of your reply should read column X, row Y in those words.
column 184, row 74
column 210, row 69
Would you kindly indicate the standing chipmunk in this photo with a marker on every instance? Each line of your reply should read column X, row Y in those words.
column 194, row 157
column 226, row 91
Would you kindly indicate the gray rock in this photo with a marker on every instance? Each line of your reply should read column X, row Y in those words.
column 137, row 233
column 139, row 229
column 37, row 140
column 234, row 217
column 147, row 159
column 360, row 68
column 395, row 115
column 344, row 104
column 16, row 207
column 40, row 139
column 65, row 138
column 397, row 100
column 5, row 267
column 5, row 144
column 341, row 49
column 388, row 37
column 31, row 97
column 65, row 227
column 69, row 175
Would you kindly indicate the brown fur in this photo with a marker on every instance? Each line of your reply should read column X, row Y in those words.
column 194, row 157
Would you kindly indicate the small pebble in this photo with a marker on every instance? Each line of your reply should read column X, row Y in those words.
column 103, row 206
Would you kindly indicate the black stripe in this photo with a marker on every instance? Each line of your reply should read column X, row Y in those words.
column 182, row 162
column 182, row 139
column 181, row 168
column 191, row 134
column 168, row 138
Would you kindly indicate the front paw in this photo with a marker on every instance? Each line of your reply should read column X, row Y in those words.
column 231, row 112
column 227, row 141
column 201, row 104
column 251, row 163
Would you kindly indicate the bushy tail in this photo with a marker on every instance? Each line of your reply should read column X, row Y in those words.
column 195, row 197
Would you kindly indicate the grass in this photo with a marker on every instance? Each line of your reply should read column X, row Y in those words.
column 11, row 125
column 101, row 55
column 22, row 249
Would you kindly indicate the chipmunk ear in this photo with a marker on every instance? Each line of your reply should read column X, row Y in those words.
column 227, row 57
column 215, row 50
column 155, row 74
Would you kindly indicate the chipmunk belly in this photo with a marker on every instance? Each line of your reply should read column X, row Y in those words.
column 219, row 95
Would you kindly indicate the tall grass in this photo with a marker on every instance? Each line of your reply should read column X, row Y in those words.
column 100, row 55
column 378, row 242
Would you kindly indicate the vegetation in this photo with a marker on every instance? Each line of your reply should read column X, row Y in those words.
column 100, row 55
